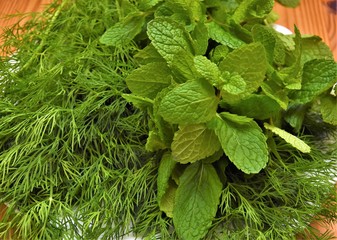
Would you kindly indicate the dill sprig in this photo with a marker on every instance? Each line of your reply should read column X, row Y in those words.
column 73, row 162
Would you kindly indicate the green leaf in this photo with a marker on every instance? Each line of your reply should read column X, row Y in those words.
column 148, row 55
column 149, row 79
column 328, row 108
column 168, row 199
column 190, row 103
column 194, row 142
column 252, row 9
column 196, row 202
column 318, row 76
column 314, row 48
column 147, row 4
column 167, row 164
column 275, row 50
column 169, row 38
column 257, row 106
column 289, row 3
column 250, row 62
column 154, row 142
column 219, row 53
column 243, row 142
column 163, row 129
column 234, row 85
column 208, row 70
column 289, row 138
column 124, row 31
column 183, row 68
column 139, row 102
column 200, row 38
column 220, row 35
column 276, row 92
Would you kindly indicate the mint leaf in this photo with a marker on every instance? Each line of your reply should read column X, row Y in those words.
column 314, row 48
column 234, row 85
column 275, row 50
column 148, row 55
column 168, row 199
column 139, row 102
column 169, row 38
column 250, row 62
column 289, row 3
column 289, row 138
column 200, row 38
column 220, row 35
column 147, row 4
column 328, row 108
column 276, row 92
column 208, row 70
column 124, row 31
column 318, row 76
column 243, row 142
column 183, row 68
column 154, row 142
column 194, row 142
column 149, row 79
column 257, row 106
column 252, row 10
column 167, row 164
column 197, row 200
column 190, row 103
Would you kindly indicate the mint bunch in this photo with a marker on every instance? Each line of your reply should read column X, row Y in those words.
column 219, row 85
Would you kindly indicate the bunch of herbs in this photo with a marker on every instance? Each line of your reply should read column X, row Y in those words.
column 178, row 119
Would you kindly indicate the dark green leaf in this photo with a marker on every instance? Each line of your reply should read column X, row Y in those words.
column 190, row 103
column 194, row 142
column 197, row 200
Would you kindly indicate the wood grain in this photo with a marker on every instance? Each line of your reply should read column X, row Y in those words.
column 312, row 17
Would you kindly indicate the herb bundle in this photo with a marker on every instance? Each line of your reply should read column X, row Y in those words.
column 168, row 119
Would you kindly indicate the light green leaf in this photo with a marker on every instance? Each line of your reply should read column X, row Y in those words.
column 196, row 202
column 183, row 68
column 328, row 108
column 234, row 85
column 208, row 70
column 154, row 142
column 275, row 50
column 149, row 79
column 289, row 3
column 250, row 62
column 169, row 38
column 289, row 138
column 148, row 55
column 124, row 31
column 190, row 103
column 220, row 35
column 164, row 129
column 168, row 199
column 276, row 92
column 252, row 9
column 140, row 102
column 219, row 53
column 318, row 76
column 147, row 4
column 194, row 142
column 243, row 142
column 200, row 38
column 167, row 164
column 314, row 48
